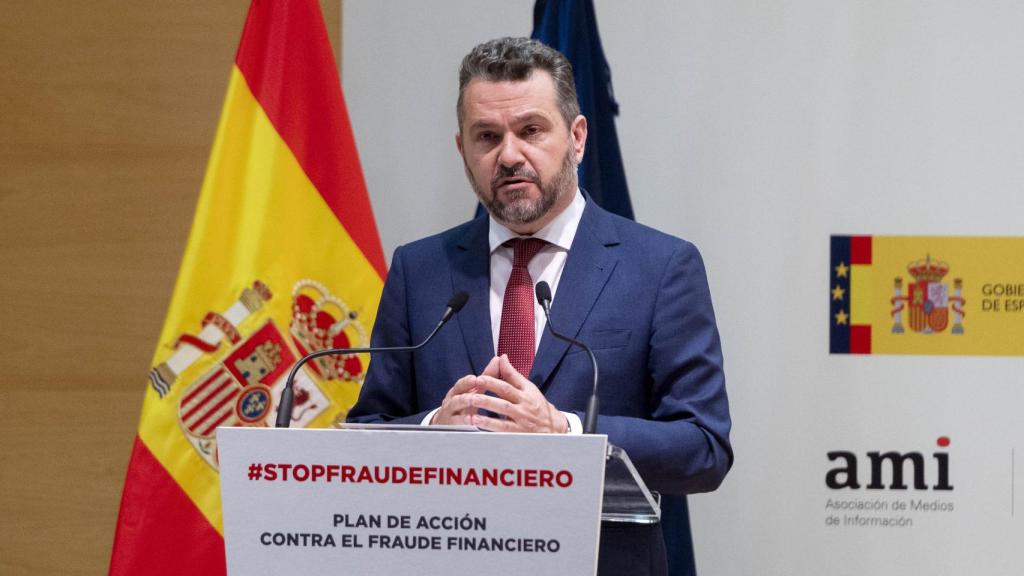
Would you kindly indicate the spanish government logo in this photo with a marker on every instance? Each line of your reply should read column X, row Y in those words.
column 910, row 295
column 232, row 371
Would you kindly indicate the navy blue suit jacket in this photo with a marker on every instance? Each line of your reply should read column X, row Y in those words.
column 637, row 296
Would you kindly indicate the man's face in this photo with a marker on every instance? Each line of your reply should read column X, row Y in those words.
column 519, row 155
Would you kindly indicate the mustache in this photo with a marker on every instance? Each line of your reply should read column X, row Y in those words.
column 515, row 173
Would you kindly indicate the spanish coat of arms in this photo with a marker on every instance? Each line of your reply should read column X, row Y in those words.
column 928, row 301
column 244, row 385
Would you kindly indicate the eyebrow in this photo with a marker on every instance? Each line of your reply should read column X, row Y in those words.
column 529, row 116
column 524, row 118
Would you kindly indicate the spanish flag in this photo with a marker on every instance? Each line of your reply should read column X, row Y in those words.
column 283, row 259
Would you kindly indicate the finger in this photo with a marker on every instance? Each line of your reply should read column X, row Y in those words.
column 500, row 388
column 463, row 385
column 492, row 368
column 459, row 420
column 492, row 424
column 512, row 376
column 496, row 405
column 455, row 410
column 460, row 403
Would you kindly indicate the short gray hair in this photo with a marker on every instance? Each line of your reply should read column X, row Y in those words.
column 515, row 59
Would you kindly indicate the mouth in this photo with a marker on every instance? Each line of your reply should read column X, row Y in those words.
column 513, row 183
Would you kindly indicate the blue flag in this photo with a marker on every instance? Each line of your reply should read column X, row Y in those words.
column 570, row 27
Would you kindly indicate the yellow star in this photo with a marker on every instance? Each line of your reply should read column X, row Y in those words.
column 838, row 293
column 841, row 318
column 841, row 270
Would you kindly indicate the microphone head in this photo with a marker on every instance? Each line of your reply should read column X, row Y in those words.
column 457, row 301
column 543, row 293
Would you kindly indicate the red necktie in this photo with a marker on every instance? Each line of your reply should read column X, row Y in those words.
column 516, row 334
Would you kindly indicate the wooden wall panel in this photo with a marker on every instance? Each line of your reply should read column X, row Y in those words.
column 107, row 114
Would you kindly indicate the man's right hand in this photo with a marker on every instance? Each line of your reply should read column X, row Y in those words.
column 457, row 408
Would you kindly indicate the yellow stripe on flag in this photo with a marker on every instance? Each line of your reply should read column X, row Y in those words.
column 991, row 275
column 862, row 298
column 259, row 219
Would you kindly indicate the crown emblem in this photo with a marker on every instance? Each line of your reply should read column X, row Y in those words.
column 928, row 270
column 320, row 321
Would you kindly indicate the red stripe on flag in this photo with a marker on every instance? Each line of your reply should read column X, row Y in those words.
column 208, row 390
column 860, row 339
column 221, row 417
column 189, row 396
column 860, row 249
column 187, row 417
column 231, row 394
column 286, row 59
column 217, row 414
column 160, row 532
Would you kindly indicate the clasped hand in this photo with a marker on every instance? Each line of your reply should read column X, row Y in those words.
column 521, row 405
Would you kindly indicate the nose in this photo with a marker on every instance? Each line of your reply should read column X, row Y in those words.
column 510, row 154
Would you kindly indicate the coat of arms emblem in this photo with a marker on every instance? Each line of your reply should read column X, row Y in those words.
column 928, row 301
column 244, row 384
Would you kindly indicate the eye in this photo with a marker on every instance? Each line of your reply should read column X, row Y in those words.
column 487, row 136
column 532, row 130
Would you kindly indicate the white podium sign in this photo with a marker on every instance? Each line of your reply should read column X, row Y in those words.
column 418, row 502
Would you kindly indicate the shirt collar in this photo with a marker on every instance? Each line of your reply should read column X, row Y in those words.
column 559, row 231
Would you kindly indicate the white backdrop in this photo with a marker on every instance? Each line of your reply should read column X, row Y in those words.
column 756, row 130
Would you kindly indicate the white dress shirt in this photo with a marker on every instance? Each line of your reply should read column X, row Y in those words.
column 547, row 265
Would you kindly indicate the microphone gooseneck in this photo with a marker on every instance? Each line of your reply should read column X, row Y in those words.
column 284, row 409
column 544, row 299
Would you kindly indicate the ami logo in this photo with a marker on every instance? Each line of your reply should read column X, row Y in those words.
column 847, row 474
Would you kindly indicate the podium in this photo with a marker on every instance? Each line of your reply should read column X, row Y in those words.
column 390, row 500
column 626, row 499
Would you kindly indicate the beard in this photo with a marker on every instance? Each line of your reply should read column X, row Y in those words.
column 517, row 208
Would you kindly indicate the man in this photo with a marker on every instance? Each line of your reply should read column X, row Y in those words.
column 638, row 297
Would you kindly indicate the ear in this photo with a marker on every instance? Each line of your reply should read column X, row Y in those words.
column 578, row 131
column 458, row 143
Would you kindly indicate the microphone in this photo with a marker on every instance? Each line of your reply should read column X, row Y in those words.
column 284, row 409
column 544, row 299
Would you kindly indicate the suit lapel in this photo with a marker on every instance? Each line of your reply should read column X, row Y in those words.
column 587, row 269
column 471, row 271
